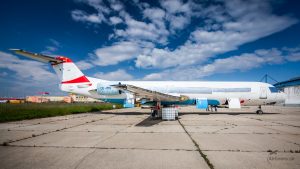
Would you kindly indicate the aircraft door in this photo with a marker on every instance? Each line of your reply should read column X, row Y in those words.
column 263, row 92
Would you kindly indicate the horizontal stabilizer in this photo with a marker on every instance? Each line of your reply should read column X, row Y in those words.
column 36, row 56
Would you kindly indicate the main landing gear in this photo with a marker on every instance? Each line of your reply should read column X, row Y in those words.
column 156, row 111
column 212, row 108
column 259, row 111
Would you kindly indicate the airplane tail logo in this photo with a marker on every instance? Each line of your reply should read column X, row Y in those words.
column 68, row 72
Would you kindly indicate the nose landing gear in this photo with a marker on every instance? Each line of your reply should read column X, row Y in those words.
column 259, row 111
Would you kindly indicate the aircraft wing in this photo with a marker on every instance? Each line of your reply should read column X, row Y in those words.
column 150, row 94
column 36, row 56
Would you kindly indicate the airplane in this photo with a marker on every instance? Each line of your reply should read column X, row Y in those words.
column 202, row 94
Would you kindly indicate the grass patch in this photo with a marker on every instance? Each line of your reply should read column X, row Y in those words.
column 14, row 112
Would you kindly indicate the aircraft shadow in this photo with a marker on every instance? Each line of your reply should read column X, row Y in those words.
column 148, row 122
column 123, row 113
column 227, row 113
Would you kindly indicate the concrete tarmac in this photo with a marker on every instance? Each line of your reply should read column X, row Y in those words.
column 129, row 139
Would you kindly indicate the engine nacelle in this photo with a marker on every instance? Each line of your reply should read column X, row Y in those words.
column 104, row 89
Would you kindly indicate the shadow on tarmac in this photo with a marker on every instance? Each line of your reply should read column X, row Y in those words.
column 123, row 113
column 184, row 113
column 226, row 113
column 148, row 122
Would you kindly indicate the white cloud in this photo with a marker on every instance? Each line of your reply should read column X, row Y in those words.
column 84, row 65
column 156, row 16
column 115, row 20
column 179, row 22
column 116, row 5
column 102, row 14
column 138, row 30
column 53, row 47
column 36, row 71
column 116, row 53
column 250, row 22
column 98, row 5
column 154, row 13
column 28, row 76
column 120, row 74
column 178, row 14
column 186, row 55
column 172, row 6
column 95, row 18
column 243, row 62
column 222, row 26
column 134, row 30
column 294, row 57
column 296, row 49
column 293, row 54
column 79, row 15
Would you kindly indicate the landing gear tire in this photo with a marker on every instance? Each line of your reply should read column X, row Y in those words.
column 259, row 112
column 154, row 114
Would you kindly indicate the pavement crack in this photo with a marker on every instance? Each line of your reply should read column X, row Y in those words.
column 57, row 130
column 253, row 151
column 102, row 148
column 204, row 156
column 78, row 164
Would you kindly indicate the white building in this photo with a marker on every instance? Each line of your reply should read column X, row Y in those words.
column 292, row 89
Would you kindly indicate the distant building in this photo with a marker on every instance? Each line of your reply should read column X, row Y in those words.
column 12, row 100
column 292, row 89
column 72, row 98
column 82, row 99
column 3, row 100
column 68, row 99
column 37, row 99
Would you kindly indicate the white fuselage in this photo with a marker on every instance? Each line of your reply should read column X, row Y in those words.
column 249, row 93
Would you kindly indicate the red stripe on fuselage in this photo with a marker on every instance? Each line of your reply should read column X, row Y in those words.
column 81, row 79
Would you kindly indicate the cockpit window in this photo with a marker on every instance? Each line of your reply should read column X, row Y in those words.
column 273, row 89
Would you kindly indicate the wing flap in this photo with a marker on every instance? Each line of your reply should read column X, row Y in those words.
column 36, row 56
column 145, row 93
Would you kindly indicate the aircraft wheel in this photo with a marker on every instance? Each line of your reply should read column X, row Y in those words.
column 259, row 112
column 153, row 114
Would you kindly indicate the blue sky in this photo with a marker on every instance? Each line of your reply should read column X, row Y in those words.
column 149, row 40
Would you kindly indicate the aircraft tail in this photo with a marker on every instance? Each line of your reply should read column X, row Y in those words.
column 68, row 72
column 64, row 67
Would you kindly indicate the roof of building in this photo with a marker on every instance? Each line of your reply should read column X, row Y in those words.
column 292, row 82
